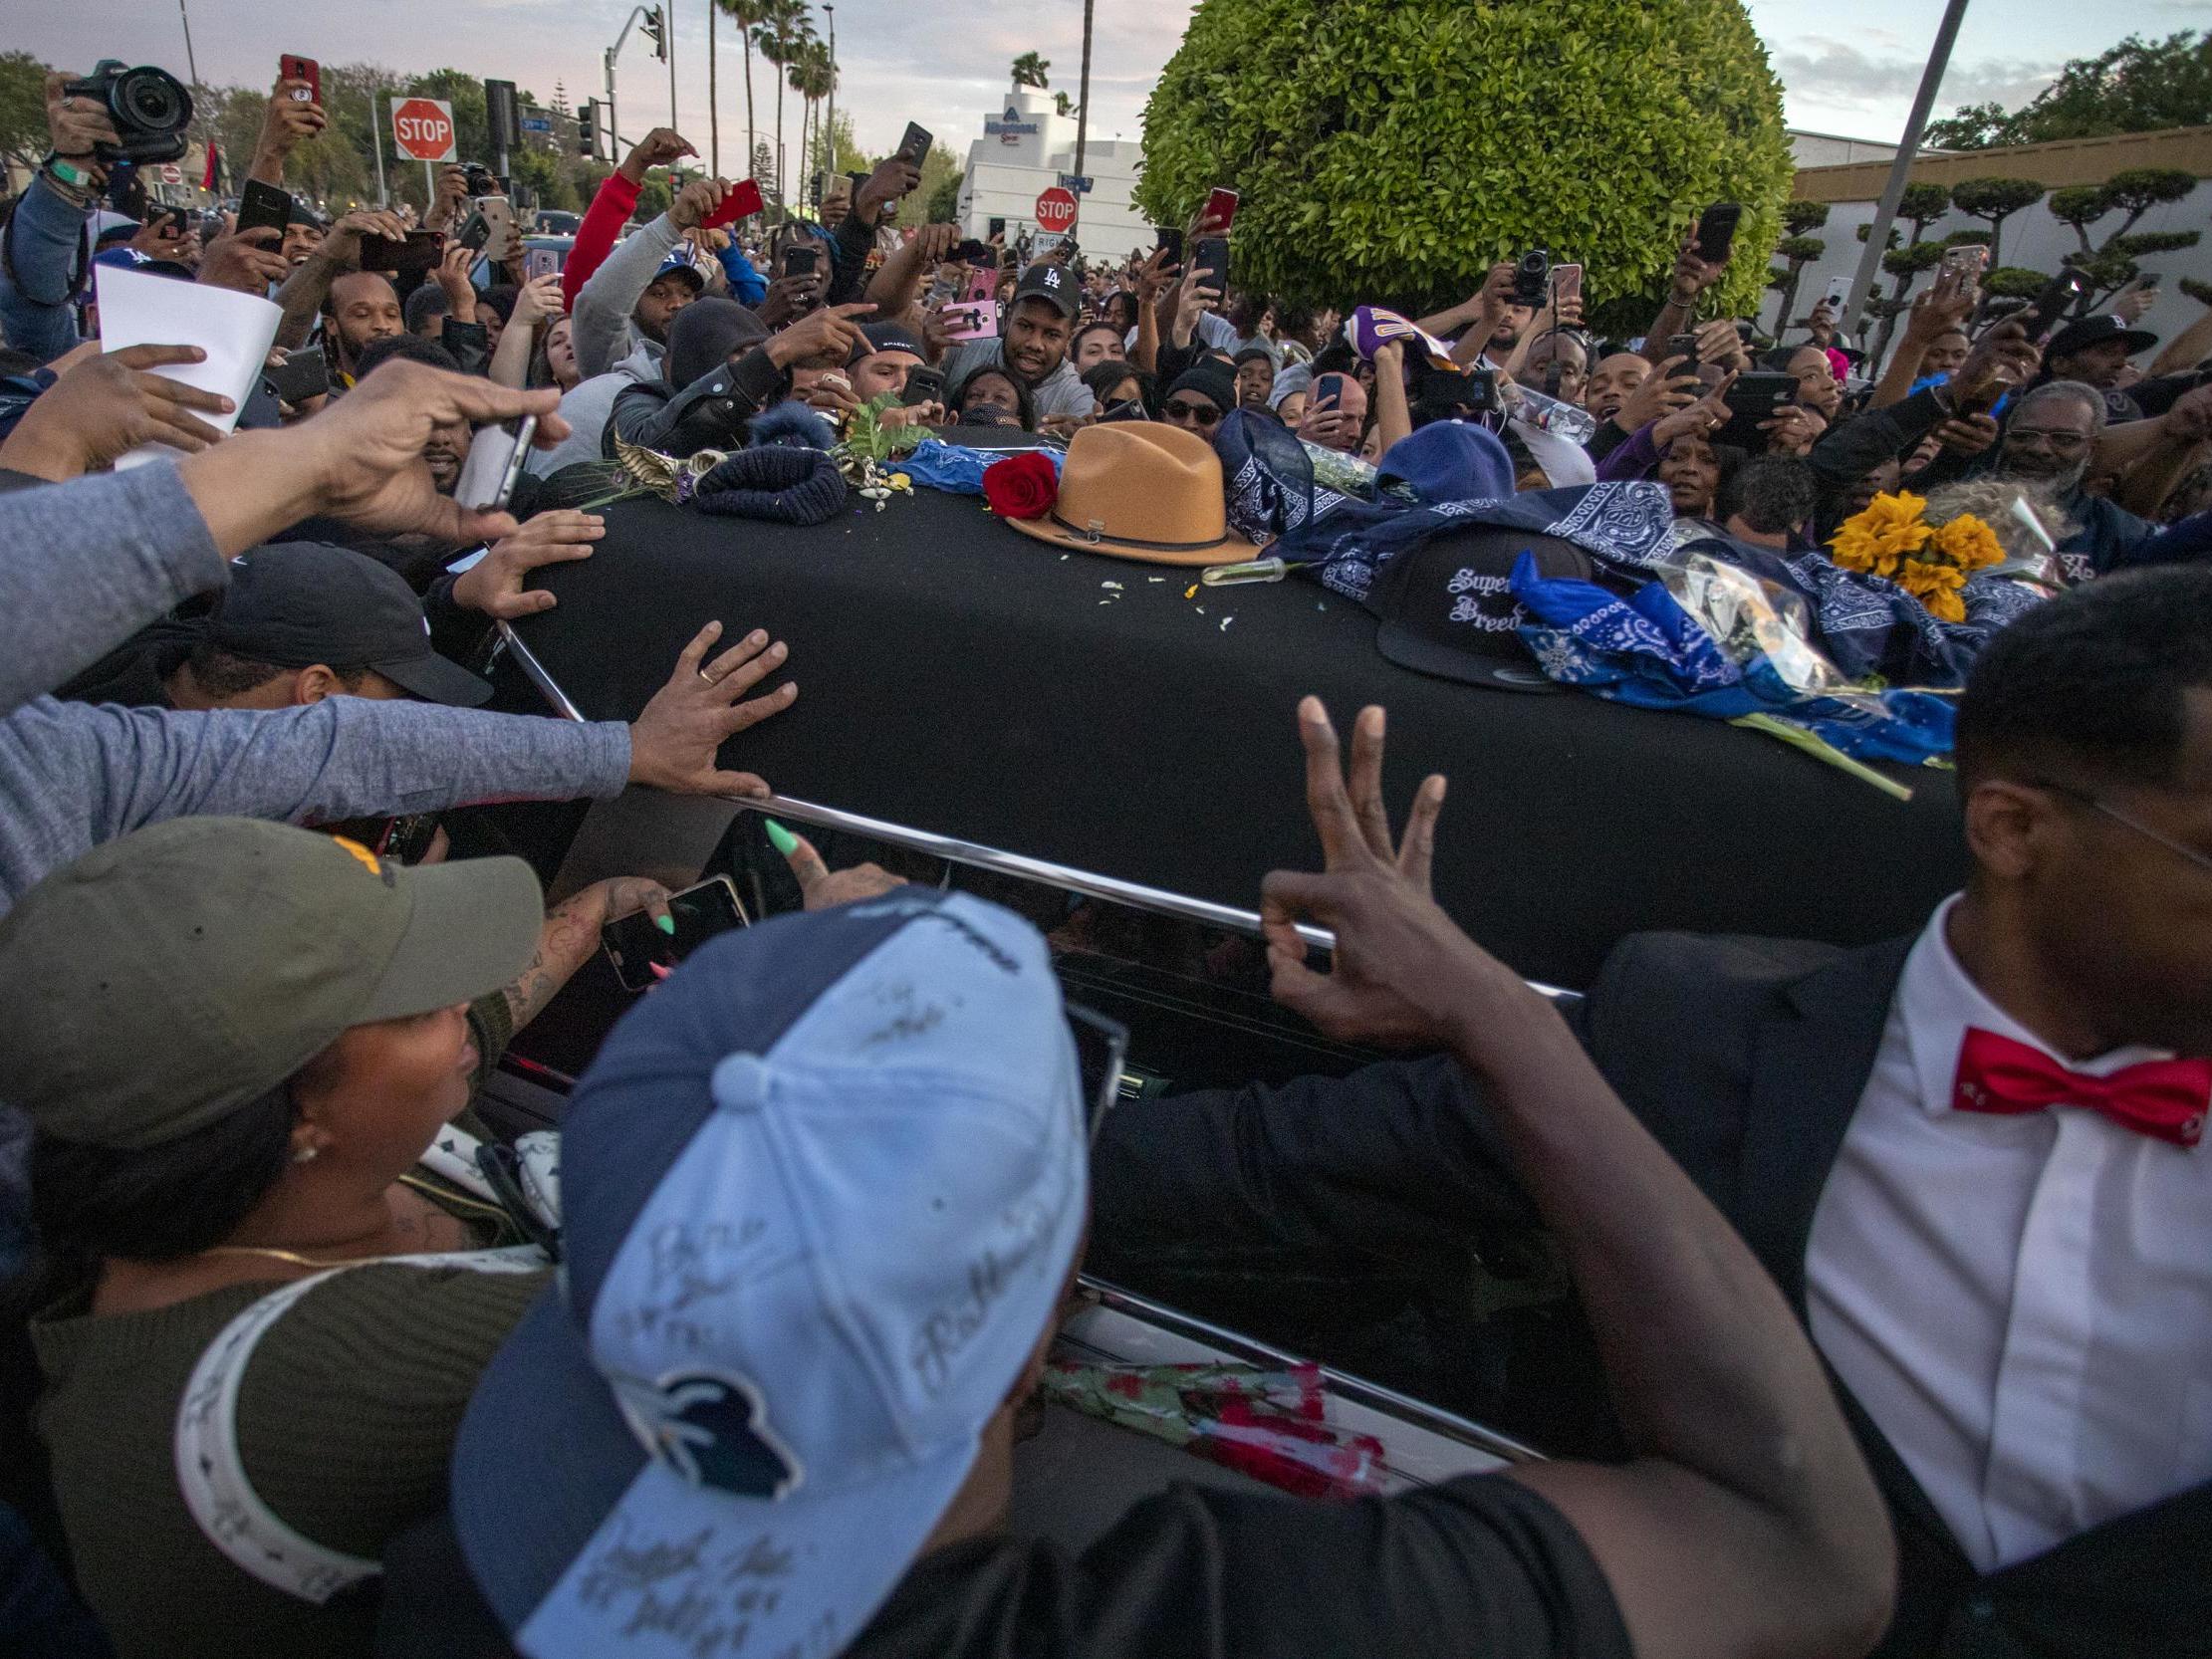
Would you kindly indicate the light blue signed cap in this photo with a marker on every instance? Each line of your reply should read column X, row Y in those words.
column 822, row 1193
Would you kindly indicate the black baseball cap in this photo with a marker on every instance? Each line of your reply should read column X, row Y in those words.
column 299, row 603
column 886, row 336
column 1050, row 282
column 1447, row 609
column 2095, row 330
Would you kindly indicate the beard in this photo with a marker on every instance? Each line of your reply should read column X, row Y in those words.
column 2053, row 485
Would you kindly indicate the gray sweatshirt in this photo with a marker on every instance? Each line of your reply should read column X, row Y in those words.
column 604, row 332
column 84, row 564
column 590, row 404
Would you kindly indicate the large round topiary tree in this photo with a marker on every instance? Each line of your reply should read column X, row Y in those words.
column 1390, row 151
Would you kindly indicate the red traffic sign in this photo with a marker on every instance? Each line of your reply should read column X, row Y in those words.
column 1056, row 210
column 423, row 128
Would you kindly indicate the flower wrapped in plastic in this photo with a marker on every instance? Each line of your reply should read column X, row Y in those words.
column 1270, row 1425
column 1895, row 539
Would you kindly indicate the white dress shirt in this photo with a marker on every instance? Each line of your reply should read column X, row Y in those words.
column 2023, row 1305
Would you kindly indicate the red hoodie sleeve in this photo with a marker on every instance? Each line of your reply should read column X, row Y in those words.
column 594, row 237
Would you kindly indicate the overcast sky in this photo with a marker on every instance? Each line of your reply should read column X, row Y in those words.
column 1849, row 65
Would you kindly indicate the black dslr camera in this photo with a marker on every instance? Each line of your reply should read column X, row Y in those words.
column 1532, row 277
column 482, row 181
column 149, row 107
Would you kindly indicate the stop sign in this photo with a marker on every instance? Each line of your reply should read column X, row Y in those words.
column 423, row 128
column 1056, row 210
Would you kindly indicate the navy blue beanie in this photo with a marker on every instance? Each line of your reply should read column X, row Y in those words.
column 780, row 483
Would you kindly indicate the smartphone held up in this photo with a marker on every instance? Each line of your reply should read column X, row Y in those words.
column 643, row 953
column 494, row 464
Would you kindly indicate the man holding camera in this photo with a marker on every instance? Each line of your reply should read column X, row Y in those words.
column 47, row 230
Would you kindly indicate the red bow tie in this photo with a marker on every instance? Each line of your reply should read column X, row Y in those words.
column 2163, row 1098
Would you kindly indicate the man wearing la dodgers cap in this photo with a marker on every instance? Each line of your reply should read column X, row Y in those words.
column 823, row 1192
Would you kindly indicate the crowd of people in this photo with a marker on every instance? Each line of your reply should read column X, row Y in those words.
column 1892, row 1261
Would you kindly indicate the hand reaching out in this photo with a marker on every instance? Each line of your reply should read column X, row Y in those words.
column 1968, row 434
column 819, row 333
column 1399, row 960
column 288, row 121
column 657, row 149
column 105, row 406
column 1664, row 390
column 822, row 887
column 341, row 247
column 1155, row 275
column 365, row 458
column 1495, row 295
column 76, row 125
column 452, row 275
column 1693, row 273
column 1720, row 345
column 696, row 203
column 538, row 300
column 673, row 743
column 163, row 238
column 894, row 178
column 2004, row 355
column 445, row 203
column 247, row 262
column 494, row 584
column 1699, row 419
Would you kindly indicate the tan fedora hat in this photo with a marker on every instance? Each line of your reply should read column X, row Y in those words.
column 1140, row 489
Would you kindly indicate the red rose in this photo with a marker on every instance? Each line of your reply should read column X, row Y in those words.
column 1023, row 486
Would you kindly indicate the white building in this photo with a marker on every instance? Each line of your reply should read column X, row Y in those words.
column 1025, row 148
column 1829, row 149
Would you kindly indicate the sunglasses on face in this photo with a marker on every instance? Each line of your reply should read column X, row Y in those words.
column 1204, row 414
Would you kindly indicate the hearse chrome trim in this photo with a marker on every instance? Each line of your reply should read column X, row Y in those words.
column 1133, row 893
column 1342, row 1386
column 548, row 687
column 1112, row 888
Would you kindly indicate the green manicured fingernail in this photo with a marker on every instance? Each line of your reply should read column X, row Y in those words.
column 666, row 925
column 782, row 839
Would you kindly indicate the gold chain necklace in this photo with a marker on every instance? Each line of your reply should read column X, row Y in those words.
column 440, row 1197
column 275, row 1255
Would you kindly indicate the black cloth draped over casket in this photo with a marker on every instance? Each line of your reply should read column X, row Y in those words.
column 956, row 678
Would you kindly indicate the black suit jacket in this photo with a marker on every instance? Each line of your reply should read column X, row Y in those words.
column 1746, row 1058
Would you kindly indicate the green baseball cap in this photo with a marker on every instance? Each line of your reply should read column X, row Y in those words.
column 167, row 978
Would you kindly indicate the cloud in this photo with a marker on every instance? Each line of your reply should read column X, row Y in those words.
column 1834, row 74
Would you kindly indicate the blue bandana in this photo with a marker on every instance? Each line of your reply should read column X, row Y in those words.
column 1453, row 476
column 1649, row 653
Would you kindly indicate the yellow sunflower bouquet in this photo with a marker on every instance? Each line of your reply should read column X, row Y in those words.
column 1893, row 539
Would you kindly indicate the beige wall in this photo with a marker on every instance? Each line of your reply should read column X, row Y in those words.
column 2057, row 165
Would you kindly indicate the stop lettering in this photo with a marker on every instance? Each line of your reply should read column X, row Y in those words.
column 423, row 128
column 1056, row 210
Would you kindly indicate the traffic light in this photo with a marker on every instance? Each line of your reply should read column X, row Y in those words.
column 587, row 129
column 655, row 26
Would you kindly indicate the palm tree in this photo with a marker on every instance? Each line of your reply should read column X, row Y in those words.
column 1029, row 70
column 812, row 78
column 714, row 100
column 782, row 26
column 748, row 15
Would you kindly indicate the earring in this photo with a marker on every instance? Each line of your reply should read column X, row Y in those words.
column 306, row 1155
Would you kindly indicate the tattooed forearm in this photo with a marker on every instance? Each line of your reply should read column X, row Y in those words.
column 571, row 934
